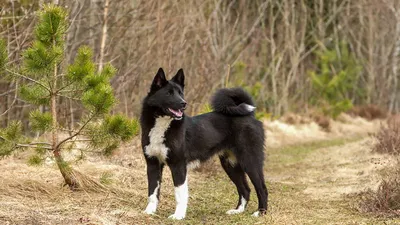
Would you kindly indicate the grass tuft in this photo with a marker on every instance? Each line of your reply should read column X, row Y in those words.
column 106, row 178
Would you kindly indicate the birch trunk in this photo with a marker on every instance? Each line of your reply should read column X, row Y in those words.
column 393, row 105
column 103, row 34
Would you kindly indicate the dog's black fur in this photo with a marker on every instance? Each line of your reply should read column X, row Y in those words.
column 231, row 130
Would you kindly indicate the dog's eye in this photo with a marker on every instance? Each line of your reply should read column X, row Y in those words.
column 170, row 92
column 180, row 92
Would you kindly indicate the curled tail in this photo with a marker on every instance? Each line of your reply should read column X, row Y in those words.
column 233, row 102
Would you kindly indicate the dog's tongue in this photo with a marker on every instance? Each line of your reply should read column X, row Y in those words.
column 177, row 113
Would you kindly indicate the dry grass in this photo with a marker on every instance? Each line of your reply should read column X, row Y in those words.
column 303, row 129
column 327, row 124
column 26, row 201
column 295, row 173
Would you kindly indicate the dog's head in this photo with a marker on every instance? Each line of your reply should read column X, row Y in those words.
column 167, row 95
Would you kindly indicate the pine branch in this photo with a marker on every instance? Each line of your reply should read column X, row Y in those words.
column 32, row 146
column 77, row 133
column 79, row 140
column 40, row 143
column 28, row 78
column 88, row 151
column 72, row 90
column 67, row 85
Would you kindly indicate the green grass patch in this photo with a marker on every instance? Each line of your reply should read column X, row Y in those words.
column 295, row 153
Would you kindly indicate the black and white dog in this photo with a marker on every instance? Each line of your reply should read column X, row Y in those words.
column 169, row 137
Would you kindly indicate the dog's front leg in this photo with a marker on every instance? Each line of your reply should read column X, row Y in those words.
column 154, row 175
column 179, row 176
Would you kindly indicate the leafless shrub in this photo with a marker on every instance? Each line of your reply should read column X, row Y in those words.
column 323, row 122
column 388, row 137
column 385, row 200
column 314, row 116
column 293, row 119
column 369, row 112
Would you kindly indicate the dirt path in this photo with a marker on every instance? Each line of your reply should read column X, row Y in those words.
column 329, row 164
column 319, row 177
column 344, row 169
column 330, row 172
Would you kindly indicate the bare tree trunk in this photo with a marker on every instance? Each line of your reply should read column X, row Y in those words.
column 273, row 56
column 104, row 35
column 92, row 19
column 159, row 31
column 395, row 62
column 371, row 60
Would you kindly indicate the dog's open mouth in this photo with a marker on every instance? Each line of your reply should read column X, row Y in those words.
column 177, row 113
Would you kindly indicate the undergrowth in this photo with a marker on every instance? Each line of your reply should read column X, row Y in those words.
column 386, row 199
column 388, row 137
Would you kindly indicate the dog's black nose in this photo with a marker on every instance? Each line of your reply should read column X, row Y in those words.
column 183, row 104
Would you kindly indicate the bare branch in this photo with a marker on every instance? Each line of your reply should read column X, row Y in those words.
column 14, row 101
column 30, row 79
column 69, row 97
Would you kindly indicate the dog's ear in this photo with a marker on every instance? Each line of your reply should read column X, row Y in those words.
column 159, row 80
column 179, row 78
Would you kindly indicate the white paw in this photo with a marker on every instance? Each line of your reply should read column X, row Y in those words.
column 176, row 217
column 234, row 211
column 256, row 214
column 239, row 209
column 150, row 210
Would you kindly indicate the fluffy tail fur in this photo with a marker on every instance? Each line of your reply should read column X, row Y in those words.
column 233, row 102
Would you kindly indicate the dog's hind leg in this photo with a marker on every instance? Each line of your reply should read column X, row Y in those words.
column 179, row 176
column 154, row 175
column 253, row 166
column 238, row 177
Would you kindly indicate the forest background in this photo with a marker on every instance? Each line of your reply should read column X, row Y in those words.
column 292, row 55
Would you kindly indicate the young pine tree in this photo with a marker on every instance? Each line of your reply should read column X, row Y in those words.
column 334, row 83
column 44, row 82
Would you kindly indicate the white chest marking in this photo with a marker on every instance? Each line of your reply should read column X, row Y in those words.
column 157, row 148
